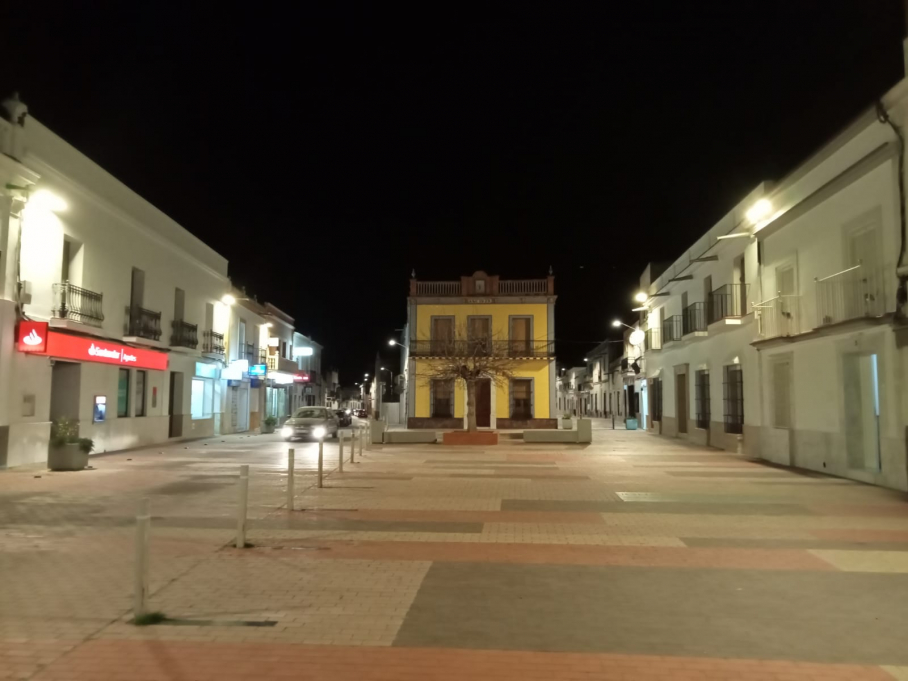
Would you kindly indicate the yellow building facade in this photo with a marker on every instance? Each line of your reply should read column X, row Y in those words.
column 508, row 318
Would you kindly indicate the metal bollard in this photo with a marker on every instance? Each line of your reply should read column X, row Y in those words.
column 143, row 521
column 352, row 445
column 613, row 420
column 241, row 507
column 340, row 452
column 291, row 464
column 321, row 459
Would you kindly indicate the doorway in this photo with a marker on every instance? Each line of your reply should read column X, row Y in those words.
column 644, row 406
column 862, row 411
column 175, row 404
column 484, row 403
column 65, row 388
column 681, row 401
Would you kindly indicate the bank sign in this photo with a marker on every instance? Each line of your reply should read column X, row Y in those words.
column 66, row 346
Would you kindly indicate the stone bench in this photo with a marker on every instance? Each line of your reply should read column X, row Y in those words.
column 583, row 434
column 410, row 437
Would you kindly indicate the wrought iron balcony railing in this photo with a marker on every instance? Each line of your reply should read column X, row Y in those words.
column 78, row 304
column 851, row 294
column 249, row 353
column 653, row 340
column 672, row 329
column 727, row 301
column 517, row 349
column 694, row 319
column 779, row 316
column 144, row 323
column 213, row 343
column 184, row 335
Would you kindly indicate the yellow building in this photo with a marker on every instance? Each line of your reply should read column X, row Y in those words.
column 513, row 318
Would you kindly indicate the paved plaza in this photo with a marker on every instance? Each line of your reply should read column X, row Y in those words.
column 635, row 557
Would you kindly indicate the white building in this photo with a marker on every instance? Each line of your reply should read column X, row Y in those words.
column 783, row 324
column 308, row 355
column 246, row 370
column 114, row 299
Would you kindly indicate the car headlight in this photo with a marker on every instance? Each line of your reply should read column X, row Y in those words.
column 286, row 431
column 349, row 412
column 319, row 432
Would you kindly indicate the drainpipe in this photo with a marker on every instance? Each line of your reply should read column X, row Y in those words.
column 901, row 295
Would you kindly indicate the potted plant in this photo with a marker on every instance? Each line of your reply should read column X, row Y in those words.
column 566, row 422
column 268, row 425
column 68, row 451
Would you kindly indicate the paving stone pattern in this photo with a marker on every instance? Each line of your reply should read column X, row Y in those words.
column 635, row 557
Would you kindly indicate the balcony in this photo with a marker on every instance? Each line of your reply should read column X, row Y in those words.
column 652, row 340
column 779, row 317
column 492, row 286
column 855, row 293
column 144, row 324
column 672, row 329
column 282, row 364
column 517, row 349
column 248, row 353
column 726, row 307
column 184, row 335
column 78, row 304
column 263, row 356
column 694, row 320
column 213, row 344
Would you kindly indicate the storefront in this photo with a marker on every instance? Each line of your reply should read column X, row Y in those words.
column 115, row 391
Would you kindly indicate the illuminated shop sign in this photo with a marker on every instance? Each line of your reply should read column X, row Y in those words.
column 67, row 346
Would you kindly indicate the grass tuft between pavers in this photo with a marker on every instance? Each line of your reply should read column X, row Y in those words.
column 149, row 618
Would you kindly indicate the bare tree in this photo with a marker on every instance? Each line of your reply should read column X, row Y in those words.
column 470, row 361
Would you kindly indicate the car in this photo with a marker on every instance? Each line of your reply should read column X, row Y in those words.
column 344, row 418
column 310, row 423
column 360, row 413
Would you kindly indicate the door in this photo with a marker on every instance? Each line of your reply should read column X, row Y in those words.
column 862, row 411
column 520, row 336
column 484, row 403
column 681, row 402
column 479, row 333
column 786, row 282
column 631, row 402
column 644, row 404
column 442, row 335
column 175, row 404
column 864, row 296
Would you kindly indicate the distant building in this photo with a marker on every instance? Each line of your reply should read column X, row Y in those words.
column 516, row 317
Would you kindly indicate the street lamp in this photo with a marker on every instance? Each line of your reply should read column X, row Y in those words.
column 617, row 323
column 641, row 297
column 228, row 299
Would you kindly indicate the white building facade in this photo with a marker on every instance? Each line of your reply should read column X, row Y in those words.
column 124, row 304
column 783, row 326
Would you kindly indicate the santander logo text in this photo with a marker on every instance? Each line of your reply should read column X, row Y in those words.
column 122, row 355
column 33, row 339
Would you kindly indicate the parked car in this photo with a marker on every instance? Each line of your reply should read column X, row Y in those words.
column 310, row 423
column 344, row 418
column 361, row 413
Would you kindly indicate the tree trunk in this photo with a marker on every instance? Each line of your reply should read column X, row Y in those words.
column 471, row 406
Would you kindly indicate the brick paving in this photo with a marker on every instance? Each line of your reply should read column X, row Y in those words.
column 632, row 558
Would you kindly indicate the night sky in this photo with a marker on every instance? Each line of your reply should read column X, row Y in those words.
column 328, row 151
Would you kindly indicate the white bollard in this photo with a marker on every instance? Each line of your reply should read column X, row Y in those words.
column 340, row 452
column 241, row 507
column 352, row 445
column 360, row 443
column 143, row 520
column 291, row 464
column 321, row 451
column 740, row 445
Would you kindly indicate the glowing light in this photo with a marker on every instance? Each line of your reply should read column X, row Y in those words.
column 46, row 200
column 637, row 337
column 319, row 432
column 228, row 299
column 391, row 342
column 616, row 323
column 641, row 297
column 759, row 211
column 286, row 431
column 302, row 352
column 268, row 325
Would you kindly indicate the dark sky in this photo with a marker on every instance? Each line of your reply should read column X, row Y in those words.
column 329, row 150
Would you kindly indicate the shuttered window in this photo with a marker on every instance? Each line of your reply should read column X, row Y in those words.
column 522, row 398
column 442, row 399
column 733, row 396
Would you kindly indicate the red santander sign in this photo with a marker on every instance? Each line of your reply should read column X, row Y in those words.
column 67, row 346
column 32, row 337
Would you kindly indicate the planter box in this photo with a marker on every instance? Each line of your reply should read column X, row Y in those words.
column 463, row 437
column 567, row 424
column 267, row 430
column 66, row 458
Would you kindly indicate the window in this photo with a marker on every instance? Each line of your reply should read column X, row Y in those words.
column 443, row 399
column 201, row 399
column 734, row 399
column 141, row 376
column 657, row 399
column 179, row 304
column 781, row 389
column 521, row 336
column 479, row 333
column 480, row 286
column 284, row 349
column 522, row 398
column 123, row 393
column 702, row 394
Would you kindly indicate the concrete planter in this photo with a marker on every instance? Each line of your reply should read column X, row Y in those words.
column 267, row 430
column 66, row 458
column 567, row 424
column 464, row 437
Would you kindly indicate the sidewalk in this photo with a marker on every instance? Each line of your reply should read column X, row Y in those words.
column 633, row 558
